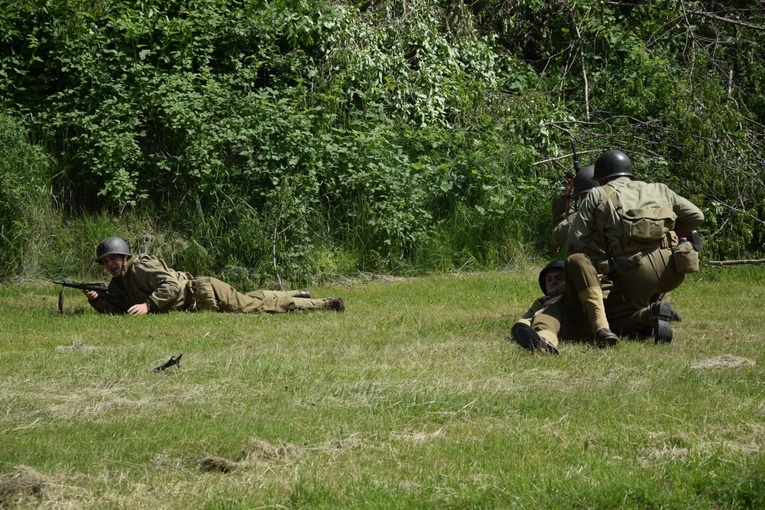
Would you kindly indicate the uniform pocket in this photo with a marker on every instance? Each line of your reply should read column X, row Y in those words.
column 648, row 225
column 202, row 295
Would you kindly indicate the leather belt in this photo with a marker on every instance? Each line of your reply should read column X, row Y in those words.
column 625, row 247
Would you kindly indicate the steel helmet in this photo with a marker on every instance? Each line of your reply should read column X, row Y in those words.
column 612, row 164
column 583, row 180
column 555, row 264
column 111, row 246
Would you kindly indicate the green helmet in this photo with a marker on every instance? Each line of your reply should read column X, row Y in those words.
column 555, row 264
column 612, row 164
column 111, row 246
column 583, row 180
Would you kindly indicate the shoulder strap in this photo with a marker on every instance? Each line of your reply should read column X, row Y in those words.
column 600, row 212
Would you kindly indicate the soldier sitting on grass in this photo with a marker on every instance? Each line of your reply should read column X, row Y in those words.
column 144, row 283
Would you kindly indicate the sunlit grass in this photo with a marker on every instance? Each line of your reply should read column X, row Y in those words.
column 413, row 398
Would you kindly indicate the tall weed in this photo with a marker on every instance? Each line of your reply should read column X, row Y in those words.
column 24, row 170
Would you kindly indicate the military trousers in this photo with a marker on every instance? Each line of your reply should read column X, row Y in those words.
column 555, row 321
column 643, row 277
column 585, row 284
column 227, row 299
column 639, row 279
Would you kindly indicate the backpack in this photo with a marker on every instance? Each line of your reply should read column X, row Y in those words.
column 643, row 225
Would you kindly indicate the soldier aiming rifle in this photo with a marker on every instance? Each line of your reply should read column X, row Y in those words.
column 143, row 283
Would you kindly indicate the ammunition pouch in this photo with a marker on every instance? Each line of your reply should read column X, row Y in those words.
column 648, row 224
column 626, row 246
column 686, row 258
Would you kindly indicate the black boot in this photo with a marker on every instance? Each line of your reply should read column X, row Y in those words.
column 529, row 339
column 662, row 313
column 336, row 304
column 604, row 337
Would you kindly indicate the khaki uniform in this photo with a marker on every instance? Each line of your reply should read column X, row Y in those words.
column 148, row 279
column 563, row 215
column 642, row 271
column 549, row 317
column 561, row 316
column 543, row 302
column 555, row 323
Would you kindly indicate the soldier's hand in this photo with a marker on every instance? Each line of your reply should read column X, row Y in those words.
column 569, row 190
column 139, row 309
column 92, row 295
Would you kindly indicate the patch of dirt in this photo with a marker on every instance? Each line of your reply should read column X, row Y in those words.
column 258, row 451
column 21, row 485
column 364, row 278
column 220, row 464
column 724, row 361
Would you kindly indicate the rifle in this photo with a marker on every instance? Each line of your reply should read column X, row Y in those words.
column 571, row 182
column 576, row 159
column 568, row 194
column 173, row 361
column 612, row 272
column 100, row 288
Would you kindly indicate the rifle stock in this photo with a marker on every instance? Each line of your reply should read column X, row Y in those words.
column 570, row 183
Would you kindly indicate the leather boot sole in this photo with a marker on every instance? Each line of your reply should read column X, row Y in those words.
column 526, row 337
column 662, row 314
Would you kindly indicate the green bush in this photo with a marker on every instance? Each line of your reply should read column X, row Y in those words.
column 288, row 139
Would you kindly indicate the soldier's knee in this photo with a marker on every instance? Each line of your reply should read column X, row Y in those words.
column 578, row 260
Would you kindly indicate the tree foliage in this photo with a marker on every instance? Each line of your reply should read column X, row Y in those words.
column 304, row 136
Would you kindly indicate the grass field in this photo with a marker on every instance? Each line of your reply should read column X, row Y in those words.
column 412, row 398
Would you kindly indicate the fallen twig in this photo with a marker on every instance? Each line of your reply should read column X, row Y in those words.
column 736, row 262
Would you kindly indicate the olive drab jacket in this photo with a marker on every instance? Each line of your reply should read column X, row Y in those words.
column 148, row 279
column 585, row 235
column 542, row 302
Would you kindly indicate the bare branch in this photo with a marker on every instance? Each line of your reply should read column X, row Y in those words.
column 584, row 67
column 564, row 156
column 736, row 262
column 726, row 20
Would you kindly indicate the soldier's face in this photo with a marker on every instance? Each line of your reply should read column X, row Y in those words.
column 114, row 264
column 553, row 278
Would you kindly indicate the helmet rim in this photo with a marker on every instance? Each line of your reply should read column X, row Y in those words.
column 613, row 163
column 583, row 180
column 555, row 264
column 111, row 246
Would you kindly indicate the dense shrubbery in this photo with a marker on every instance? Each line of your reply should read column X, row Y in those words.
column 301, row 138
